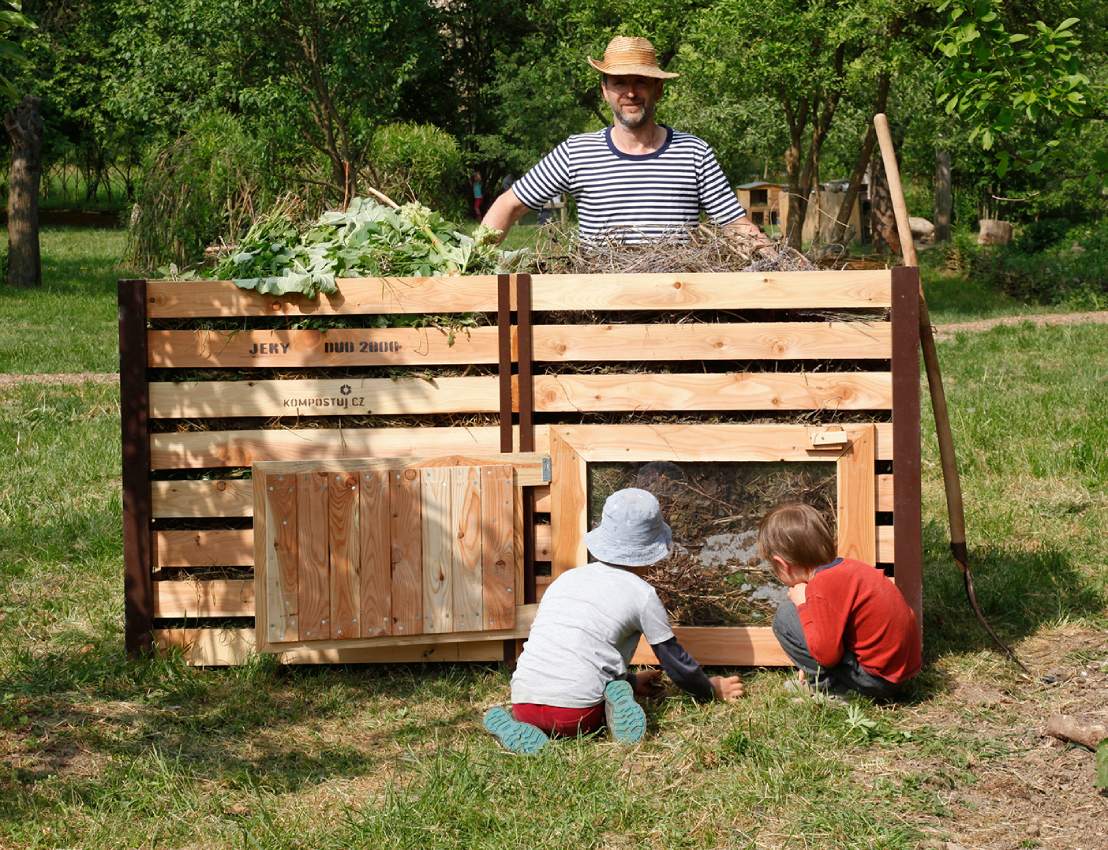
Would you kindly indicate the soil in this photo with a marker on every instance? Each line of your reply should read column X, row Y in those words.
column 1036, row 791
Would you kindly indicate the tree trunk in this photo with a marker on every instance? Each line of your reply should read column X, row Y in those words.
column 942, row 197
column 839, row 234
column 24, row 126
column 883, row 224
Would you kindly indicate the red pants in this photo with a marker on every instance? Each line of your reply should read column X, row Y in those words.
column 554, row 720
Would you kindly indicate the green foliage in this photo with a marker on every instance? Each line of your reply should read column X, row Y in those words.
column 420, row 162
column 1000, row 80
column 366, row 240
column 1049, row 263
column 12, row 19
column 202, row 185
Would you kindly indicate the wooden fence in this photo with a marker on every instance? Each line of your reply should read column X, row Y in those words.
column 406, row 493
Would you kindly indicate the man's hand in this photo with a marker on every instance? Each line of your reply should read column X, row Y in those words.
column 648, row 683
column 797, row 593
column 727, row 689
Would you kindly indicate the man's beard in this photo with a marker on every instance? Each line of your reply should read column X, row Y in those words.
column 629, row 122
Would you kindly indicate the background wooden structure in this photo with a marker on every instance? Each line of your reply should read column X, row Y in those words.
column 222, row 386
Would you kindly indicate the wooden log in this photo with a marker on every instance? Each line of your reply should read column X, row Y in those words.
column 1088, row 730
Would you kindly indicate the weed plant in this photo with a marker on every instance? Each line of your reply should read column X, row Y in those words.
column 97, row 751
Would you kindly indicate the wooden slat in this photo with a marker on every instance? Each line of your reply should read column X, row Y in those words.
column 436, row 524
column 180, row 600
column 751, row 291
column 227, row 647
column 884, row 493
column 407, row 553
column 702, row 442
column 343, row 538
column 528, row 466
column 735, row 391
column 498, row 556
column 316, row 397
column 375, row 551
column 568, row 508
column 186, row 499
column 738, row 646
column 855, row 500
column 466, row 501
column 282, row 560
column 167, row 299
column 213, row 449
column 333, row 348
column 314, row 567
column 693, row 341
column 775, row 290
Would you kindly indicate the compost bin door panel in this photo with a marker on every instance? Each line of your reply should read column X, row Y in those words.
column 365, row 553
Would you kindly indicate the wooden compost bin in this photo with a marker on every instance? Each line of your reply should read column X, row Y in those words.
column 299, row 480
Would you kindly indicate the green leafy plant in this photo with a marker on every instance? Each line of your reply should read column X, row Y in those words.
column 368, row 239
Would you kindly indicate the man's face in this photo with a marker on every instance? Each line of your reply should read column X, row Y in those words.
column 632, row 99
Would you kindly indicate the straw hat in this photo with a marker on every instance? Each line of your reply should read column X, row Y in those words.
column 632, row 532
column 630, row 57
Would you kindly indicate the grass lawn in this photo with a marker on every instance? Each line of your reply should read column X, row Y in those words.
column 97, row 752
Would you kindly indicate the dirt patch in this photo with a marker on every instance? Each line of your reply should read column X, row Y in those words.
column 1039, row 320
column 1036, row 791
column 58, row 380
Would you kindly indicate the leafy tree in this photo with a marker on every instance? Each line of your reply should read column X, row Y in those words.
column 1005, row 76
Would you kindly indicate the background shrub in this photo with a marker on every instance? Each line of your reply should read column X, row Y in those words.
column 420, row 162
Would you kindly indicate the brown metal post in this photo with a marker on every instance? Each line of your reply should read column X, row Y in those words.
column 526, row 425
column 138, row 585
column 907, row 490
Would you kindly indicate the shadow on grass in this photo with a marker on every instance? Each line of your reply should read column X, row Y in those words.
column 1018, row 592
column 96, row 723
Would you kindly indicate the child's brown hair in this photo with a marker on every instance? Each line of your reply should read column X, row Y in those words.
column 798, row 534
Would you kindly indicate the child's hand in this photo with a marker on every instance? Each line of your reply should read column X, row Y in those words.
column 796, row 593
column 727, row 689
column 648, row 683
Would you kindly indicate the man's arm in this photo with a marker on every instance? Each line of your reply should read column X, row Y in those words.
column 505, row 211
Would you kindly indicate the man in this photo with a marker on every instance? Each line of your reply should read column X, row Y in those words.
column 636, row 180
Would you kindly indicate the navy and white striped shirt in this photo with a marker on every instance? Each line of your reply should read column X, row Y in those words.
column 636, row 198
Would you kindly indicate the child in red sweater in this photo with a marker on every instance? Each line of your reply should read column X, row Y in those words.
column 845, row 625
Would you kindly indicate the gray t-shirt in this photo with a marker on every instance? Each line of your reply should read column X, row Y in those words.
column 584, row 635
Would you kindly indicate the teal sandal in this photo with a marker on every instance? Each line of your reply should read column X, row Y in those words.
column 522, row 738
column 625, row 717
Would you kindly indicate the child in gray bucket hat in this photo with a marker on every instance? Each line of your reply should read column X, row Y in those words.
column 572, row 677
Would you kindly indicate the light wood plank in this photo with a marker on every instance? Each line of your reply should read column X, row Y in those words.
column 203, row 548
column 528, row 466
column 168, row 299
column 717, row 646
column 335, row 347
column 734, row 391
column 695, row 341
column 243, row 448
column 180, row 600
column 466, row 501
column 228, row 647
column 407, row 553
column 701, row 442
column 855, row 487
column 317, row 397
column 375, row 551
column 568, row 504
column 436, row 523
column 830, row 290
column 314, row 576
column 777, row 290
column 498, row 553
column 282, row 559
column 343, row 538
column 187, row 499
column 884, row 493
